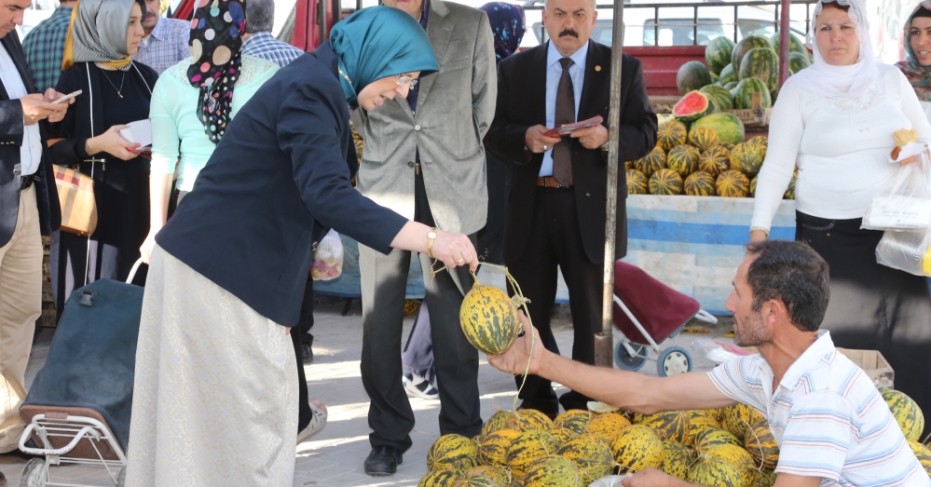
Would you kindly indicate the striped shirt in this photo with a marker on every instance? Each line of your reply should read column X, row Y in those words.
column 264, row 45
column 45, row 46
column 166, row 45
column 827, row 418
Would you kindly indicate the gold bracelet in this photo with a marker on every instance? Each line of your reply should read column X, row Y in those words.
column 430, row 238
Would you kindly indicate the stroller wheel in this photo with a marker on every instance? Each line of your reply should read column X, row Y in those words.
column 626, row 361
column 34, row 473
column 674, row 360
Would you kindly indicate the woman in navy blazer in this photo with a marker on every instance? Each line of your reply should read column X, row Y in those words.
column 215, row 388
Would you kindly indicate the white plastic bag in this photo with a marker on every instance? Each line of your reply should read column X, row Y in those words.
column 906, row 251
column 903, row 203
column 609, row 481
column 328, row 261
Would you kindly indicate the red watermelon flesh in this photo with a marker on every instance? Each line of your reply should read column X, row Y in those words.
column 692, row 106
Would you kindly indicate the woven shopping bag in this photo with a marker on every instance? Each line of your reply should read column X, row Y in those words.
column 78, row 206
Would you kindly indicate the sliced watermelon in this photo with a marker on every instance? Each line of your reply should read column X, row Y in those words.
column 693, row 106
column 692, row 76
column 728, row 127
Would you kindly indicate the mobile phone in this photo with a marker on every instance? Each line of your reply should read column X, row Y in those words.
column 68, row 96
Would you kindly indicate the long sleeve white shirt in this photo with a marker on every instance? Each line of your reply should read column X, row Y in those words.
column 841, row 147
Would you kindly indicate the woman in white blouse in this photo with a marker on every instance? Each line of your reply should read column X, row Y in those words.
column 835, row 121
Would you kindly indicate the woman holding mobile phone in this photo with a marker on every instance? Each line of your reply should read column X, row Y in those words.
column 115, row 91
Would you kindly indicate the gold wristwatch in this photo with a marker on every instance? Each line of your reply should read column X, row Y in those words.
column 430, row 238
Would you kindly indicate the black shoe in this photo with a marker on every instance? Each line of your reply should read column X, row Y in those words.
column 307, row 354
column 2, row 479
column 383, row 460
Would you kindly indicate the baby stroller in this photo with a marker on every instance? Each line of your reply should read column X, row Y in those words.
column 79, row 406
column 649, row 312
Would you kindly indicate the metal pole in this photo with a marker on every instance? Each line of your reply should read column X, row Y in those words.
column 604, row 346
column 784, row 42
column 323, row 23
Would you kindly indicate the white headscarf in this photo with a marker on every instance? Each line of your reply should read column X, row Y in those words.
column 832, row 81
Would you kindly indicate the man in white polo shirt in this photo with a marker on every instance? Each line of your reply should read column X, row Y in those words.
column 831, row 424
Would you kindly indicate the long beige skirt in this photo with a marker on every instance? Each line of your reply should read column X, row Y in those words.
column 215, row 395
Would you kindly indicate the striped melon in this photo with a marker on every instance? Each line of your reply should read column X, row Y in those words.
column 498, row 475
column 494, row 449
column 476, row 481
column 676, row 459
column 759, row 441
column 488, row 319
column 452, row 452
column 703, row 138
column 700, row 420
column 761, row 142
column 747, row 158
column 651, row 162
column 923, row 453
column 591, row 454
column 528, row 419
column 736, row 457
column 739, row 417
column 607, row 425
column 765, row 478
column 637, row 447
column 574, row 419
column 714, row 473
column 563, row 435
column 669, row 425
column 732, row 184
column 636, row 182
column 715, row 160
column 753, row 185
column 665, row 181
column 671, row 134
column 439, row 478
column 683, row 159
column 790, row 191
column 628, row 165
column 526, row 448
column 699, row 183
column 553, row 471
column 495, row 422
column 906, row 413
column 711, row 437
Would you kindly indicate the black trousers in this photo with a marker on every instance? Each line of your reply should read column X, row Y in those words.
column 301, row 334
column 555, row 240
column 872, row 306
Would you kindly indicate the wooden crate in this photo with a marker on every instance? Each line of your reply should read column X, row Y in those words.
column 756, row 117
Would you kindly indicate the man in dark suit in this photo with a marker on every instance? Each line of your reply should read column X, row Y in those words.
column 29, row 208
column 556, row 209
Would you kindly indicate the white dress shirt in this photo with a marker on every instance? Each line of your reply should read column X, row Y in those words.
column 553, row 73
column 30, row 152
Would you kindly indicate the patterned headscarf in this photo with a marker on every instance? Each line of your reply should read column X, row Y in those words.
column 507, row 25
column 918, row 75
column 378, row 42
column 98, row 33
column 216, row 50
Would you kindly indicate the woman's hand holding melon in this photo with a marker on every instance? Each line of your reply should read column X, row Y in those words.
column 452, row 249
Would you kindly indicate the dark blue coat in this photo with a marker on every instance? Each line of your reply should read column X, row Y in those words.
column 279, row 177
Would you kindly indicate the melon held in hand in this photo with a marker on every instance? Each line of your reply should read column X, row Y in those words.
column 488, row 319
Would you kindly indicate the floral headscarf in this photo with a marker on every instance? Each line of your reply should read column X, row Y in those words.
column 507, row 25
column 918, row 75
column 216, row 50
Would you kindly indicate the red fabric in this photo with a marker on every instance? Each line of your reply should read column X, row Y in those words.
column 658, row 307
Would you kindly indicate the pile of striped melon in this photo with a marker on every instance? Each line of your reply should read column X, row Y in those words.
column 729, row 447
column 696, row 161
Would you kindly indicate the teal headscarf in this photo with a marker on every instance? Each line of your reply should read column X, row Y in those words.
column 377, row 42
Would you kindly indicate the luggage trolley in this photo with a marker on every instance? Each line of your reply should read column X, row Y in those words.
column 648, row 313
column 79, row 406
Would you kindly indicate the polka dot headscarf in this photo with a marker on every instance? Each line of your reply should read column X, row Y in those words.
column 215, row 44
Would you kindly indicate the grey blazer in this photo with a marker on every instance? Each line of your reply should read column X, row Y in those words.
column 455, row 108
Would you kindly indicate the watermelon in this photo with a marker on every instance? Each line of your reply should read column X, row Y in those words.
column 553, row 471
column 798, row 62
column 671, row 134
column 795, row 45
column 439, row 478
column 693, row 106
column 488, row 319
column 714, row 473
column 452, row 452
column 906, row 412
column 591, row 454
column 718, row 53
column 692, row 76
column 762, row 63
column 699, row 183
column 728, row 127
column 636, row 183
column 720, row 96
column 637, row 447
column 728, row 74
column 744, row 46
column 665, row 182
column 683, row 159
column 745, row 90
column 577, row 419
column 730, row 86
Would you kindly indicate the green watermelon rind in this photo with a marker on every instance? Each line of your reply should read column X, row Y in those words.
column 761, row 63
column 692, row 76
column 728, row 127
column 798, row 62
column 745, row 45
column 718, row 54
column 720, row 96
column 795, row 45
column 745, row 90
column 728, row 74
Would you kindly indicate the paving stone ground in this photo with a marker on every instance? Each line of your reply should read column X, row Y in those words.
column 333, row 457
